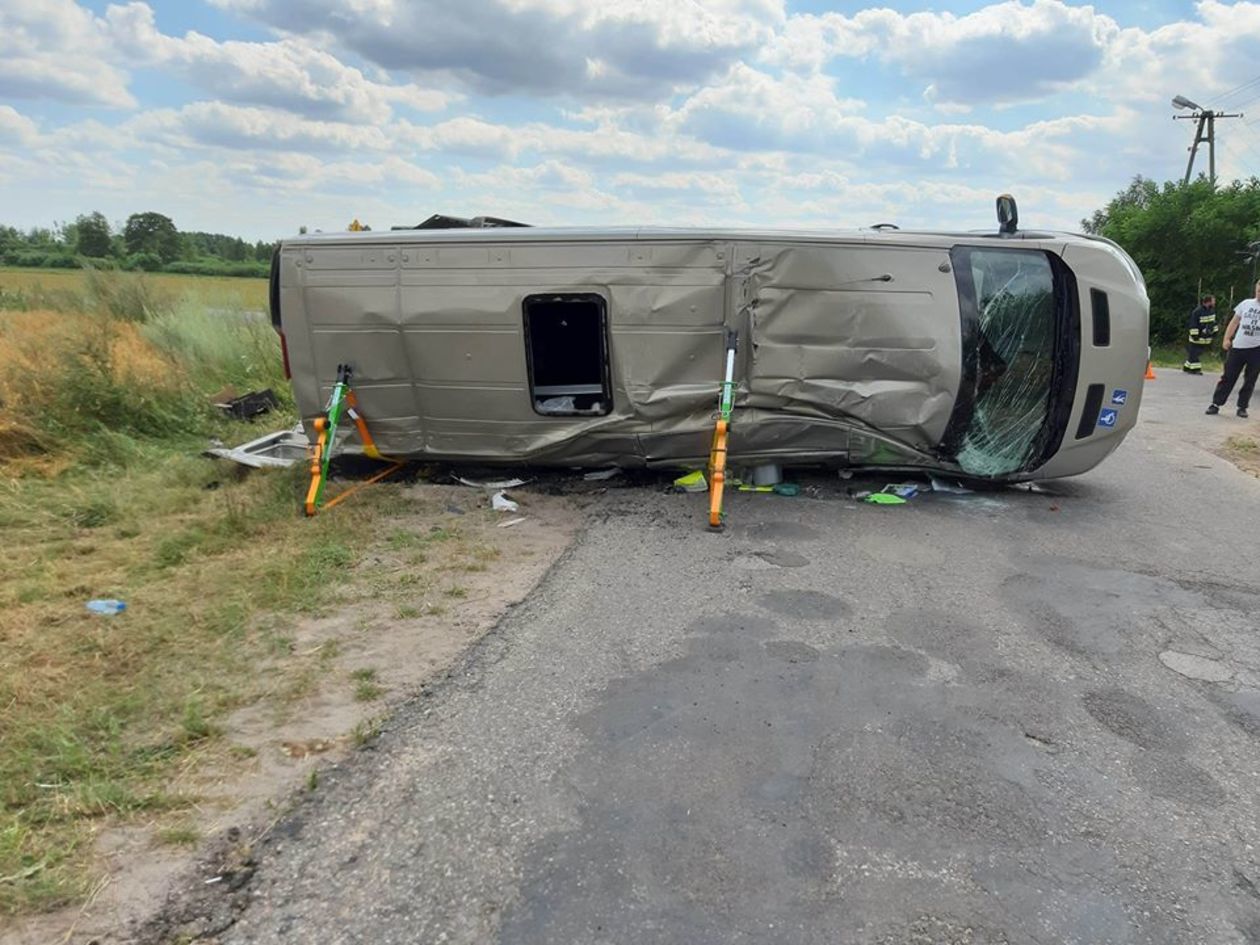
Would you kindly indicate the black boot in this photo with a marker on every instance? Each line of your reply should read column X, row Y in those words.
column 1212, row 410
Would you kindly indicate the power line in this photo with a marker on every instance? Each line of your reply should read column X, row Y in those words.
column 1247, row 144
column 1238, row 88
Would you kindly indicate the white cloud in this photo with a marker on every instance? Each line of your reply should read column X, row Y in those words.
column 1199, row 59
column 290, row 74
column 1004, row 52
column 55, row 50
column 16, row 128
column 638, row 50
column 220, row 125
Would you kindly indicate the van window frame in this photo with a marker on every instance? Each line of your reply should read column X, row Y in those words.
column 1066, row 355
column 606, row 391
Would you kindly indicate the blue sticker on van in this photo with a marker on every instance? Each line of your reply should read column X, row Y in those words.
column 1108, row 418
column 1119, row 397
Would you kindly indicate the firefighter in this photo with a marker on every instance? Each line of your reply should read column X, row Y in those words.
column 1202, row 333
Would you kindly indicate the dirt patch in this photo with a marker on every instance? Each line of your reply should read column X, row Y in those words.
column 1243, row 449
column 442, row 573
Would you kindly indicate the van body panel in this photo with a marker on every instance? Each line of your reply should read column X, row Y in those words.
column 852, row 349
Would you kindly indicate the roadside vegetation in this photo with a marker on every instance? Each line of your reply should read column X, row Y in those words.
column 145, row 242
column 1189, row 240
column 104, row 410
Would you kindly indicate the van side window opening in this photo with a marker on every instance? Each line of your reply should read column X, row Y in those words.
column 566, row 351
column 1012, row 351
column 1100, row 308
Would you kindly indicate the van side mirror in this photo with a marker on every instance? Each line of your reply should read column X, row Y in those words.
column 1007, row 214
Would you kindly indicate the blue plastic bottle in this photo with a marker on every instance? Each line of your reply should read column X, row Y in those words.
column 107, row 607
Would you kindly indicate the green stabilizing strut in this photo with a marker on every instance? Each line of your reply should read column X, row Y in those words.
column 727, row 403
column 333, row 412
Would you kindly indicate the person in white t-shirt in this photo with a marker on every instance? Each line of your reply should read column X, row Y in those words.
column 1242, row 355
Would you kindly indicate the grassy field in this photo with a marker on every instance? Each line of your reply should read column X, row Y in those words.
column 104, row 380
column 65, row 288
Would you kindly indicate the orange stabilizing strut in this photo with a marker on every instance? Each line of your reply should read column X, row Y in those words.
column 341, row 403
column 717, row 456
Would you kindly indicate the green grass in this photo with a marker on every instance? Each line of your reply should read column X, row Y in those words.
column 1171, row 357
column 105, row 382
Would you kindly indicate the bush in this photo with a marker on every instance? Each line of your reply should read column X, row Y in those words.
column 143, row 262
column 29, row 259
column 249, row 269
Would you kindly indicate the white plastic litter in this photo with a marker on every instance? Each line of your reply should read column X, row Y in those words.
column 502, row 503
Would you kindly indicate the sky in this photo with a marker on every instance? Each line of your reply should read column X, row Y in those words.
column 256, row 117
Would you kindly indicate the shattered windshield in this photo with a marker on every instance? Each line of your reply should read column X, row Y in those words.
column 1009, row 358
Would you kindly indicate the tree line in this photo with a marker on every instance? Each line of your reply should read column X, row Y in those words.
column 148, row 242
column 1189, row 240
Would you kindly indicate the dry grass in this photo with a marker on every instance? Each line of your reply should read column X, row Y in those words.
column 212, row 291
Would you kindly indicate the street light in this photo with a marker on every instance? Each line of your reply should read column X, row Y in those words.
column 1206, row 131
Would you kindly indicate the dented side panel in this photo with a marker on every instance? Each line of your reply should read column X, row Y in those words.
column 850, row 349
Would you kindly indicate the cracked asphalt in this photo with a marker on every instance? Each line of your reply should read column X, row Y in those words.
column 1019, row 717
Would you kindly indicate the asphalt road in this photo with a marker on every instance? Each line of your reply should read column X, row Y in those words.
column 1010, row 718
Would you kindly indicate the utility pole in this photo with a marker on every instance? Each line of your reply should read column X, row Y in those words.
column 1205, row 131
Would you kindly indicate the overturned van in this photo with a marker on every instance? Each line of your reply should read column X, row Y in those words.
column 1006, row 356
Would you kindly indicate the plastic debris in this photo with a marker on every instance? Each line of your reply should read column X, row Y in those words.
column 940, row 485
column 904, row 490
column 107, row 607
column 599, row 475
column 501, row 503
column 283, row 448
column 692, row 482
column 884, row 498
column 510, row 522
column 247, row 406
column 492, row 486
column 779, row 488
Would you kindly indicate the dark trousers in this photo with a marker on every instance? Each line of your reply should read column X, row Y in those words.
column 1192, row 357
column 1244, row 361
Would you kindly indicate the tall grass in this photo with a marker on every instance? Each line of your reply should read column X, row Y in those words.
column 118, row 362
column 104, row 408
column 220, row 347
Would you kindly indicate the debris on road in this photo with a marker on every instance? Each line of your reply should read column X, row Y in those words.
column 884, row 498
column 692, row 482
column 940, row 485
column 779, row 488
column 501, row 503
column 510, row 522
column 600, row 475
